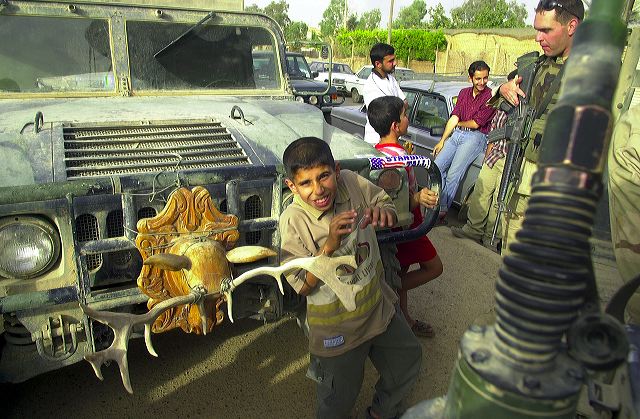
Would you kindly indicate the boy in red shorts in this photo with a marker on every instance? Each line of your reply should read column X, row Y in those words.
column 387, row 116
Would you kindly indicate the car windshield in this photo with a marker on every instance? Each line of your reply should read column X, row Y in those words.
column 402, row 74
column 210, row 57
column 365, row 72
column 54, row 54
column 297, row 67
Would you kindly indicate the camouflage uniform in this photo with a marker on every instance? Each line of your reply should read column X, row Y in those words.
column 624, row 201
column 517, row 204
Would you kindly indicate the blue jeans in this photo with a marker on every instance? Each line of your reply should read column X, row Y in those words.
column 459, row 151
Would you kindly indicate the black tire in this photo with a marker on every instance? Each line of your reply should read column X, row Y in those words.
column 356, row 96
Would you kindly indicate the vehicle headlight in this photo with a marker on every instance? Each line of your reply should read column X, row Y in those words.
column 313, row 100
column 30, row 246
column 299, row 99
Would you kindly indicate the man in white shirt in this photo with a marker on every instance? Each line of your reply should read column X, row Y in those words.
column 380, row 83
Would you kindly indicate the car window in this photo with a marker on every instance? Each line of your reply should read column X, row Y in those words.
column 364, row 73
column 315, row 66
column 346, row 69
column 411, row 98
column 431, row 112
column 297, row 67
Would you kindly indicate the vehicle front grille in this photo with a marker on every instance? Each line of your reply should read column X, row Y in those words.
column 338, row 81
column 87, row 230
column 95, row 151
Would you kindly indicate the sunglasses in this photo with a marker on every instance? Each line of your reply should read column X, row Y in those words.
column 549, row 5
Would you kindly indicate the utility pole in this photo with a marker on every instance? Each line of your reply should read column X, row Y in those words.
column 344, row 16
column 390, row 22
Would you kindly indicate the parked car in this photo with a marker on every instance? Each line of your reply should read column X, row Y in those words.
column 301, row 78
column 355, row 85
column 430, row 104
column 339, row 75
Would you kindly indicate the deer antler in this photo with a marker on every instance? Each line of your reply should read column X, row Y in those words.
column 323, row 267
column 122, row 325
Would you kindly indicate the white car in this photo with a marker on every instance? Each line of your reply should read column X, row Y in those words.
column 340, row 74
column 355, row 85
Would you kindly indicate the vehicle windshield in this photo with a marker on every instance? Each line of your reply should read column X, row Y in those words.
column 43, row 54
column 297, row 67
column 208, row 57
column 60, row 54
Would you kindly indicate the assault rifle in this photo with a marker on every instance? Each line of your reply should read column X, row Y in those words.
column 515, row 131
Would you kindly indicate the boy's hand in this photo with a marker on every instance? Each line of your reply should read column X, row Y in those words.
column 378, row 217
column 340, row 225
column 427, row 198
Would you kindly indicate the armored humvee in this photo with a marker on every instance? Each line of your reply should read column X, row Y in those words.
column 124, row 128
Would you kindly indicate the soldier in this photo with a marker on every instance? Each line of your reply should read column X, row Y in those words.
column 624, row 202
column 555, row 23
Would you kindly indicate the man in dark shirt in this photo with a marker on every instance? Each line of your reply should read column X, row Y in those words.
column 465, row 135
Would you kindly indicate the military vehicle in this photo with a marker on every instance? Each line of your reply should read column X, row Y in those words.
column 133, row 131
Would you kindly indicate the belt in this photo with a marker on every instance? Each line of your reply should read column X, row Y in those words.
column 464, row 129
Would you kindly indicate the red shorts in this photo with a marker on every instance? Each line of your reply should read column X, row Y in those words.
column 416, row 251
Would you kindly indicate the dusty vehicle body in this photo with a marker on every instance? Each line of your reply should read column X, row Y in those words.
column 110, row 114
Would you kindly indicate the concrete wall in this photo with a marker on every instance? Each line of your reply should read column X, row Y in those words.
column 499, row 51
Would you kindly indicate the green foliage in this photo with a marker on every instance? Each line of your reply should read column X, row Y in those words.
column 489, row 14
column 332, row 18
column 439, row 19
column 296, row 31
column 415, row 44
column 279, row 11
column 410, row 17
column 370, row 20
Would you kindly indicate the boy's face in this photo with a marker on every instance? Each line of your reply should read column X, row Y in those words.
column 403, row 125
column 317, row 186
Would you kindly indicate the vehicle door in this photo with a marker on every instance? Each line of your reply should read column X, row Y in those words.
column 428, row 115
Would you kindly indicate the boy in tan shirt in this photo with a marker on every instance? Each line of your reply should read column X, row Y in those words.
column 324, row 218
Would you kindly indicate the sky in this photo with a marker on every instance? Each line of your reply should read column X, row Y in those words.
column 310, row 11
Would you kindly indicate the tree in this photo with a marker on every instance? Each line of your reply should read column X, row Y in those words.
column 332, row 18
column 489, row 14
column 296, row 31
column 253, row 8
column 278, row 11
column 411, row 16
column 439, row 19
column 370, row 20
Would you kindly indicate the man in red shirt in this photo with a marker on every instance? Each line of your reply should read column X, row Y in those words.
column 465, row 135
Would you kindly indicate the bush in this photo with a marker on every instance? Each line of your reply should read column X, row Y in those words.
column 415, row 44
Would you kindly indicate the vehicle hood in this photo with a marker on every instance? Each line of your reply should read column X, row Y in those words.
column 269, row 126
column 309, row 85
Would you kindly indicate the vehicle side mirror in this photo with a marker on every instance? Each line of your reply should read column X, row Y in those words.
column 314, row 74
column 324, row 52
column 438, row 130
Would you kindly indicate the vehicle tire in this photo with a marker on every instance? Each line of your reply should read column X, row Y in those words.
column 356, row 96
